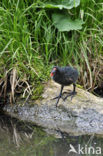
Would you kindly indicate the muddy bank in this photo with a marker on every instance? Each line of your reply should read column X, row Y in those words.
column 81, row 116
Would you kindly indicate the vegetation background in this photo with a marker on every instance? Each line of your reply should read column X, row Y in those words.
column 35, row 36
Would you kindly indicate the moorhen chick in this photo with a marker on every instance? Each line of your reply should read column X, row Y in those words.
column 65, row 76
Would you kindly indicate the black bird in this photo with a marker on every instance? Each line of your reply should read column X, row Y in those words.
column 65, row 76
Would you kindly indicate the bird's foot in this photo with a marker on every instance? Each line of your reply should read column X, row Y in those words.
column 58, row 98
column 72, row 94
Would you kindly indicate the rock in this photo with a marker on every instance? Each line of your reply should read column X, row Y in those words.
column 81, row 116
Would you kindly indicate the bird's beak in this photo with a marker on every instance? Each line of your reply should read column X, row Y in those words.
column 51, row 74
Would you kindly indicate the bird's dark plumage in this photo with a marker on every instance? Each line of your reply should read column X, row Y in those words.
column 65, row 76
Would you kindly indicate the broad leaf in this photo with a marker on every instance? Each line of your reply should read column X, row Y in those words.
column 60, row 4
column 65, row 23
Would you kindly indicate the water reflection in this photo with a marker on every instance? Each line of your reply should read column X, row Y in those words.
column 20, row 139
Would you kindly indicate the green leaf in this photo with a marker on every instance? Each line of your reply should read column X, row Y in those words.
column 65, row 23
column 61, row 4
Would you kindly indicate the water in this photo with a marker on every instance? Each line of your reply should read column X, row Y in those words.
column 22, row 139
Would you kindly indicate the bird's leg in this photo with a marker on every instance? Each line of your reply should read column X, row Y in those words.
column 60, row 94
column 58, row 97
column 73, row 93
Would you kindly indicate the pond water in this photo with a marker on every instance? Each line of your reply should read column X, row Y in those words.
column 22, row 139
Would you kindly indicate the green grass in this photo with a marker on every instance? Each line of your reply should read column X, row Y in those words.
column 31, row 44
